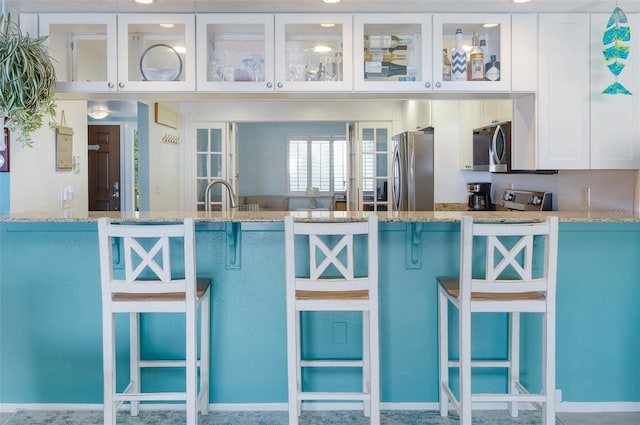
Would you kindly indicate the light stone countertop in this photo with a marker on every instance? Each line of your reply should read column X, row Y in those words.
column 278, row 216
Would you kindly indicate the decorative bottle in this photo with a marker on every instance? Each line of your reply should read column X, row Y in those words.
column 383, row 70
column 492, row 72
column 476, row 59
column 446, row 66
column 459, row 60
column 375, row 41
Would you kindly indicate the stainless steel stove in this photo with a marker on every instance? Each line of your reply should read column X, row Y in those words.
column 526, row 200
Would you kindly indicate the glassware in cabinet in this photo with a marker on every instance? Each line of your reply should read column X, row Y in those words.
column 490, row 67
column 392, row 52
column 235, row 52
column 156, row 52
column 313, row 52
column 84, row 50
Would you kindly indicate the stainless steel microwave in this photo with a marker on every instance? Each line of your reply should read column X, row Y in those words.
column 492, row 148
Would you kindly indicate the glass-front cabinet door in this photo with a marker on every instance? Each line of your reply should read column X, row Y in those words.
column 84, row 51
column 156, row 52
column 485, row 62
column 313, row 52
column 235, row 52
column 392, row 52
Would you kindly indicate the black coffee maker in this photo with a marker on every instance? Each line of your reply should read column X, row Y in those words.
column 480, row 196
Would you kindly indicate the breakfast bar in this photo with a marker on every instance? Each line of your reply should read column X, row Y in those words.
column 50, row 322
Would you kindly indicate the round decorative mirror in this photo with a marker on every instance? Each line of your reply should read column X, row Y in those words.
column 160, row 62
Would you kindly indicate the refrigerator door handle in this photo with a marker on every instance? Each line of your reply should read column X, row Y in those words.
column 396, row 187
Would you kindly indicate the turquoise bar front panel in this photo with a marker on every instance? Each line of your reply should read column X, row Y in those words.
column 50, row 322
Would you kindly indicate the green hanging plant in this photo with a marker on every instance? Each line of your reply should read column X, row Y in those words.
column 27, row 81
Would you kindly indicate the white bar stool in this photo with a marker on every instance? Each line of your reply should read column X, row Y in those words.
column 327, row 280
column 519, row 277
column 138, row 275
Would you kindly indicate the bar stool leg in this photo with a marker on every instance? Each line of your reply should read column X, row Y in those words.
column 514, row 360
column 134, row 359
column 464, row 337
column 293, row 351
column 374, row 367
column 205, row 355
column 443, row 358
column 192, row 383
column 366, row 362
column 548, row 367
column 109, row 368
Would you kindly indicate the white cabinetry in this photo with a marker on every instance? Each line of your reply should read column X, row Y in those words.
column 615, row 119
column 128, row 52
column 563, row 92
column 313, row 52
column 416, row 114
column 524, row 52
column 156, row 52
column 235, row 52
column 392, row 52
column 495, row 29
column 84, row 49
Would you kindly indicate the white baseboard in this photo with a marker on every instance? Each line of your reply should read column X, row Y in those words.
column 562, row 407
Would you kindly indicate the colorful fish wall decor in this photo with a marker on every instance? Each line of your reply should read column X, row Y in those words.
column 617, row 43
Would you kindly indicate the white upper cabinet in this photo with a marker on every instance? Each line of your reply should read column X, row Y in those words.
column 84, row 50
column 563, row 91
column 156, row 52
column 235, row 52
column 392, row 52
column 313, row 52
column 488, row 75
column 615, row 118
column 524, row 52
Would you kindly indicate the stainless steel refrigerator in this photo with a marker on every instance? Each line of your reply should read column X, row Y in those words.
column 413, row 171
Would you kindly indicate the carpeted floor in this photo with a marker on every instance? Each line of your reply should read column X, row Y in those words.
column 395, row 417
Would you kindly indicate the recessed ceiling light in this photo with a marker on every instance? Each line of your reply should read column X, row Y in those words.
column 331, row 1
column 321, row 48
column 521, row 1
column 327, row 25
column 145, row 1
column 490, row 25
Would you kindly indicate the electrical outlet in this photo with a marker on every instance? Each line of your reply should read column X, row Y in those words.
column 586, row 196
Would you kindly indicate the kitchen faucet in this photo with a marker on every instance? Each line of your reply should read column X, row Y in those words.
column 207, row 193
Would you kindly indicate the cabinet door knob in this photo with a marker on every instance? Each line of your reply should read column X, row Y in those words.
column 121, row 85
column 438, row 85
column 279, row 85
column 427, row 85
column 269, row 85
column 110, row 85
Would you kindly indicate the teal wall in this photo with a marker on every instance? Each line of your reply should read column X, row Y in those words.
column 5, row 193
column 50, row 324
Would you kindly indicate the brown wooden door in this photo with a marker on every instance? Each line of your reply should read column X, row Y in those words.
column 104, row 168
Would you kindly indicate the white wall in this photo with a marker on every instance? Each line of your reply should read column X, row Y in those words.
column 35, row 183
column 166, row 165
column 317, row 110
column 611, row 190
